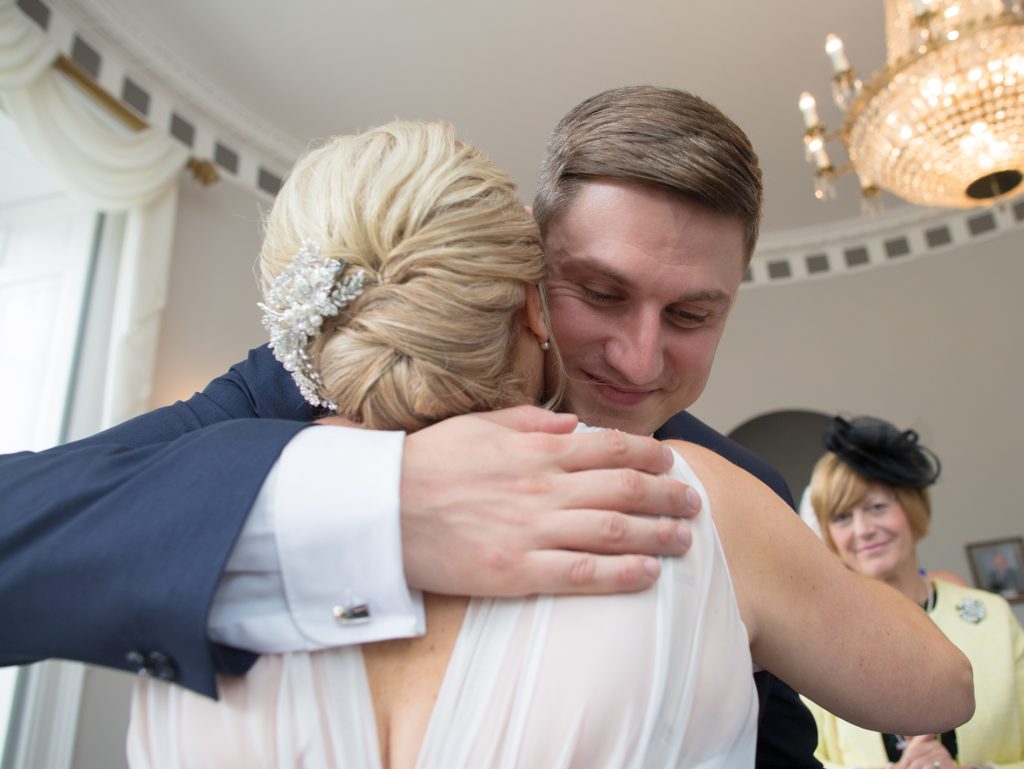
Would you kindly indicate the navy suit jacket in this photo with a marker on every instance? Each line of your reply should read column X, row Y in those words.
column 111, row 547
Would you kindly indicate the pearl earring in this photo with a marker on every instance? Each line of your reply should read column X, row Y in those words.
column 545, row 345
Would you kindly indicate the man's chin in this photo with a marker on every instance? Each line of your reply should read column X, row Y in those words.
column 628, row 421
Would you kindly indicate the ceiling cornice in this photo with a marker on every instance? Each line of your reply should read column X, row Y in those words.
column 251, row 151
column 895, row 237
column 130, row 51
column 153, row 60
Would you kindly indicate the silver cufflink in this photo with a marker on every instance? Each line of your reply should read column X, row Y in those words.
column 354, row 611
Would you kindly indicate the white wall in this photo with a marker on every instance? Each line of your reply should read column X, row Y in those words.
column 933, row 344
column 211, row 319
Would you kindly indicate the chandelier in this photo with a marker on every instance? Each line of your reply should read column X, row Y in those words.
column 942, row 124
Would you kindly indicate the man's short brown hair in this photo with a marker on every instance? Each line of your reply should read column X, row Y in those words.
column 658, row 136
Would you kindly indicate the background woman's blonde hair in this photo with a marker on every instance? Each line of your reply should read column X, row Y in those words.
column 449, row 252
column 836, row 487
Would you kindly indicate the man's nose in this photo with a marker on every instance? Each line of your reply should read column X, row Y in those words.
column 637, row 350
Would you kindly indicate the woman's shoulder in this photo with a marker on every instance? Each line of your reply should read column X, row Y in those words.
column 695, row 464
column 955, row 591
column 695, row 455
column 720, row 477
column 972, row 605
column 694, row 458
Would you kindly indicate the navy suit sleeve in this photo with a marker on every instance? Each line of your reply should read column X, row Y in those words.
column 111, row 547
column 786, row 735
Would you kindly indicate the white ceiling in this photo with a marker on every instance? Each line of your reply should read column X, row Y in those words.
column 504, row 73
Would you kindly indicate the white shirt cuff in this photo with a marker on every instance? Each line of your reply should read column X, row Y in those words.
column 323, row 536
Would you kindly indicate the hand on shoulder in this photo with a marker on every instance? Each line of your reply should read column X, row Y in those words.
column 514, row 503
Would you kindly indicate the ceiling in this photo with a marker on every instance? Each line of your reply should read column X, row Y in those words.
column 504, row 73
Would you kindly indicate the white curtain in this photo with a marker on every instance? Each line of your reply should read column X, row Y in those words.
column 115, row 170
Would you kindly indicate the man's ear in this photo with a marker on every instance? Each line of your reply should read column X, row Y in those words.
column 533, row 315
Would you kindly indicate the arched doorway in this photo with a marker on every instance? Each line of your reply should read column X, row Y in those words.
column 788, row 440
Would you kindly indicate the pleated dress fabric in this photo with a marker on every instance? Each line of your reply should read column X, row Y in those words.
column 655, row 679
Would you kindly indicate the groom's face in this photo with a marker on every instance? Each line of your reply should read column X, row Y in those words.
column 641, row 283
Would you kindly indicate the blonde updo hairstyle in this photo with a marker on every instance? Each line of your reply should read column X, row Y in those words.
column 836, row 488
column 449, row 252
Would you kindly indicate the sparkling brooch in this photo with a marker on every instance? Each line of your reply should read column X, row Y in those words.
column 299, row 300
column 971, row 610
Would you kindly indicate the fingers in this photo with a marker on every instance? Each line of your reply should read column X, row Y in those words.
column 606, row 532
column 611, row 448
column 925, row 752
column 627, row 491
column 931, row 761
column 915, row 743
column 563, row 572
column 509, row 503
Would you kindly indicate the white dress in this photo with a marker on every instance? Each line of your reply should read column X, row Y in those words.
column 660, row 678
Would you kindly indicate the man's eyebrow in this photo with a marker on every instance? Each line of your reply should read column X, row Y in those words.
column 593, row 265
column 707, row 296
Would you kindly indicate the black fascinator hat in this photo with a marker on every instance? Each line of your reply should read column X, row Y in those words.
column 881, row 452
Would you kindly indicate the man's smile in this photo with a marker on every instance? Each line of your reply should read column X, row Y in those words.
column 620, row 395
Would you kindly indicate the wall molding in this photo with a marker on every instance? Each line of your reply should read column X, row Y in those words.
column 154, row 84
column 850, row 247
column 160, row 87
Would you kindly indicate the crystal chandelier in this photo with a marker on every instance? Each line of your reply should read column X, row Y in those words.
column 942, row 124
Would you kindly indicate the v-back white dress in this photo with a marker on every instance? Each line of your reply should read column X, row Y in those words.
column 659, row 679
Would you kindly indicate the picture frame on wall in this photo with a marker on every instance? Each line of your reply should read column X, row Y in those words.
column 998, row 566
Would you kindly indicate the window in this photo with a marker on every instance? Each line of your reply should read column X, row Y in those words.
column 46, row 256
column 46, row 244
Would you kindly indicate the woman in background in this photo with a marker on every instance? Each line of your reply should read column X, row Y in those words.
column 402, row 284
column 870, row 494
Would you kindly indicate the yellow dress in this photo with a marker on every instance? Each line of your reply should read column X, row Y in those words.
column 995, row 646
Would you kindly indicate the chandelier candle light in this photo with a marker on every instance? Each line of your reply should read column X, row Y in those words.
column 942, row 124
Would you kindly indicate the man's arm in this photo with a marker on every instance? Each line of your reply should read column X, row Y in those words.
column 110, row 554
column 114, row 546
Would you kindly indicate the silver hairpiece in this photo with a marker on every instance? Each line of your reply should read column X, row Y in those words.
column 300, row 299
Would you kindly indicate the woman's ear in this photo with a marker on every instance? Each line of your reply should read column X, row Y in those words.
column 533, row 315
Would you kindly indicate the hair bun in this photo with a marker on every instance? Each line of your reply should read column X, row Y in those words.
column 879, row 451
